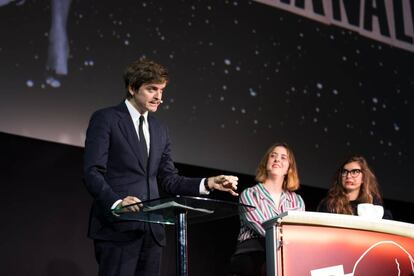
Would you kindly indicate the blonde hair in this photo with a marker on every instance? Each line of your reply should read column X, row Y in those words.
column 291, row 181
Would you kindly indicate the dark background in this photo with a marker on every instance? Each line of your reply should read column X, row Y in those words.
column 243, row 76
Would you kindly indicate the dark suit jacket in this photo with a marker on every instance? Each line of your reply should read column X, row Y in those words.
column 113, row 169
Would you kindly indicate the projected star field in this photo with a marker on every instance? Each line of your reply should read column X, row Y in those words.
column 243, row 76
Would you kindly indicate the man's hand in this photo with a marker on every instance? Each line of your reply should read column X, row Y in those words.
column 226, row 183
column 128, row 201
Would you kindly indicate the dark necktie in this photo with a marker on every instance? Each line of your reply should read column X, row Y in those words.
column 142, row 143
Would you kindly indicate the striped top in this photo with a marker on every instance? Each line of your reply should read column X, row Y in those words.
column 258, row 196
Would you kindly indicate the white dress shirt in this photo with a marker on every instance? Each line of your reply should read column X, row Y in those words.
column 135, row 118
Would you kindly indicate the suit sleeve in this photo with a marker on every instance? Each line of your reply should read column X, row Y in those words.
column 95, row 161
column 168, row 176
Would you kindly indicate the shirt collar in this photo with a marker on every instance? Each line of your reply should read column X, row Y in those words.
column 134, row 113
column 283, row 196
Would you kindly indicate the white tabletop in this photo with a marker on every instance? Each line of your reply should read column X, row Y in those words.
column 343, row 221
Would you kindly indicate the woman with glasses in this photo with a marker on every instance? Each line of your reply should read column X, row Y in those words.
column 354, row 183
column 277, row 178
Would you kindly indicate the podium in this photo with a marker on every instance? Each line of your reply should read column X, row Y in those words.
column 179, row 211
column 322, row 244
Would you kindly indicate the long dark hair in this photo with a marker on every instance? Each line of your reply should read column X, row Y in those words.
column 337, row 200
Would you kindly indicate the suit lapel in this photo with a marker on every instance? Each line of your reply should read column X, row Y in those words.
column 128, row 130
column 155, row 154
column 154, row 140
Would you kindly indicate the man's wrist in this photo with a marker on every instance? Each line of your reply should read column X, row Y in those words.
column 208, row 189
column 117, row 205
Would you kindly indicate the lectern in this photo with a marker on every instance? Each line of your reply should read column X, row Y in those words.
column 180, row 210
column 322, row 244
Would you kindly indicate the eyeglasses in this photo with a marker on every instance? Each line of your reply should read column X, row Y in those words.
column 353, row 173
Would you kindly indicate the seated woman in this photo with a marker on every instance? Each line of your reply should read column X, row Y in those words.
column 354, row 183
column 274, row 194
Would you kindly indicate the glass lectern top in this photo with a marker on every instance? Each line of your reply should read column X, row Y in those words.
column 197, row 209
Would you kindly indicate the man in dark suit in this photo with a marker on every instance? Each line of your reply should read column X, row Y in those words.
column 127, row 155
